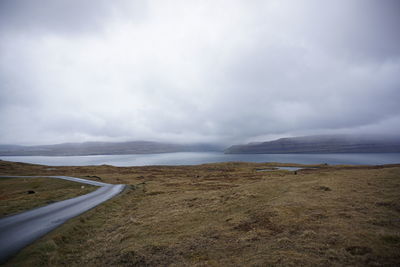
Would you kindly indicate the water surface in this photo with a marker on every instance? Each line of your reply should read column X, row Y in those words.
column 282, row 168
column 192, row 158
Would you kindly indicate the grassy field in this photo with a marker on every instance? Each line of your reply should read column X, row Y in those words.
column 228, row 214
column 21, row 194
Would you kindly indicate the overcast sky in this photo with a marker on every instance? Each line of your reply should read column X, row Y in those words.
column 197, row 71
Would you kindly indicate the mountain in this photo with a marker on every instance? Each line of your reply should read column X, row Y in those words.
column 103, row 148
column 321, row 144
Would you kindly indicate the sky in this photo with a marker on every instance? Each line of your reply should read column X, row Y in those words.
column 206, row 71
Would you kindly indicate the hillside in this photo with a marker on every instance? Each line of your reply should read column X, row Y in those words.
column 321, row 144
column 102, row 148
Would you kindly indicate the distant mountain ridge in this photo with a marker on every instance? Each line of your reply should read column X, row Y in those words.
column 321, row 144
column 103, row 148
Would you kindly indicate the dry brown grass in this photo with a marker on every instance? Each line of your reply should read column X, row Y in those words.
column 21, row 194
column 229, row 214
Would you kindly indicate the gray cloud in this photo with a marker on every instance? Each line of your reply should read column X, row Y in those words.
column 209, row 71
column 65, row 17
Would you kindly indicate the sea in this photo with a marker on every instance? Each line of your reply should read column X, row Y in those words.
column 194, row 158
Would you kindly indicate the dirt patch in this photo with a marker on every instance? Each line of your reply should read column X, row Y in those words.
column 323, row 188
column 358, row 250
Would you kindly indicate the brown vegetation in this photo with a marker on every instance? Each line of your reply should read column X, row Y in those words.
column 21, row 194
column 228, row 214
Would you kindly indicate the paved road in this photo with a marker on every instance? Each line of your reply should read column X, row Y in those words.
column 20, row 230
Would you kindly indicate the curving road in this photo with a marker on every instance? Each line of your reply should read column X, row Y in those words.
column 20, row 230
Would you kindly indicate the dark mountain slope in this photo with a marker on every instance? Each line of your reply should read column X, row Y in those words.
column 102, row 148
column 321, row 144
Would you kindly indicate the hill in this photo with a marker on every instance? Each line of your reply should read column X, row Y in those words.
column 321, row 144
column 102, row 148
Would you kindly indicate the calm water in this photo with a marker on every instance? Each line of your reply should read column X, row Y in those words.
column 192, row 158
column 282, row 168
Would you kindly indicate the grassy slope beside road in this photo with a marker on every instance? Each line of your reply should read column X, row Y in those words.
column 228, row 214
column 22, row 194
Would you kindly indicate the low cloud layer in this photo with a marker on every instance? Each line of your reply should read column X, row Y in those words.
column 197, row 71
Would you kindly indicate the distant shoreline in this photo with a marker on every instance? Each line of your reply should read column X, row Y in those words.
column 196, row 158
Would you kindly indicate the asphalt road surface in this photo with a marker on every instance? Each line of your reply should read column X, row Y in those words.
column 20, row 230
